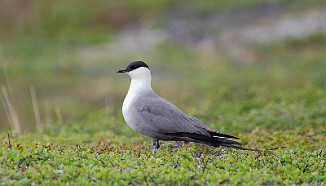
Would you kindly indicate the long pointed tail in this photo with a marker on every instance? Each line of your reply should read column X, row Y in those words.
column 215, row 141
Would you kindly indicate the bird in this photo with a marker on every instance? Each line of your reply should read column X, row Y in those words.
column 151, row 115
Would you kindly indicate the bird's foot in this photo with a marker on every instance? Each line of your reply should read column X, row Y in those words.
column 156, row 147
column 154, row 151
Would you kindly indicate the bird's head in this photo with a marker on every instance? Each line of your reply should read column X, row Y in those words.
column 137, row 70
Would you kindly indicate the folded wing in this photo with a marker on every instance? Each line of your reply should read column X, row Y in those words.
column 166, row 119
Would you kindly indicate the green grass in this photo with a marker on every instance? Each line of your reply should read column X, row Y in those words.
column 107, row 158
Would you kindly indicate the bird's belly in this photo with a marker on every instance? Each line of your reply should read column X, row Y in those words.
column 130, row 115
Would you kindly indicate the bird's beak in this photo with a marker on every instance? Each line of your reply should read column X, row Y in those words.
column 122, row 70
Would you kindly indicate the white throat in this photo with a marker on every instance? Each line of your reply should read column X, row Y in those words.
column 141, row 79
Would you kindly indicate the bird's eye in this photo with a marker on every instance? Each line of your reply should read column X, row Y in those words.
column 133, row 67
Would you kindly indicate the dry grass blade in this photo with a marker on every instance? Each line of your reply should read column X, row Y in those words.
column 36, row 109
column 10, row 111
column 59, row 115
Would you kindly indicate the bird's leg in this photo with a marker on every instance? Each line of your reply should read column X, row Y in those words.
column 156, row 146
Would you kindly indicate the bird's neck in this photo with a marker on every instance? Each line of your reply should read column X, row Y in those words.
column 139, row 86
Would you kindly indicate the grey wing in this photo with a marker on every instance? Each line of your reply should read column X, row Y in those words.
column 163, row 117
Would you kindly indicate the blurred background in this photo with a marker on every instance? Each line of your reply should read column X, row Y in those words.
column 59, row 58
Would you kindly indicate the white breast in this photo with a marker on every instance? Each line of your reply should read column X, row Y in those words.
column 127, row 106
column 140, row 86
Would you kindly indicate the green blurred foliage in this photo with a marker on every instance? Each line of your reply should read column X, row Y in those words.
column 43, row 42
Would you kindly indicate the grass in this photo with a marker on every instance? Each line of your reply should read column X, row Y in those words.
column 107, row 158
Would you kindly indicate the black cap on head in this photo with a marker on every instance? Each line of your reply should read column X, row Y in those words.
column 132, row 66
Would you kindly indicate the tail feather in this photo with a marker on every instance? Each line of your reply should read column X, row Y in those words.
column 214, row 141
